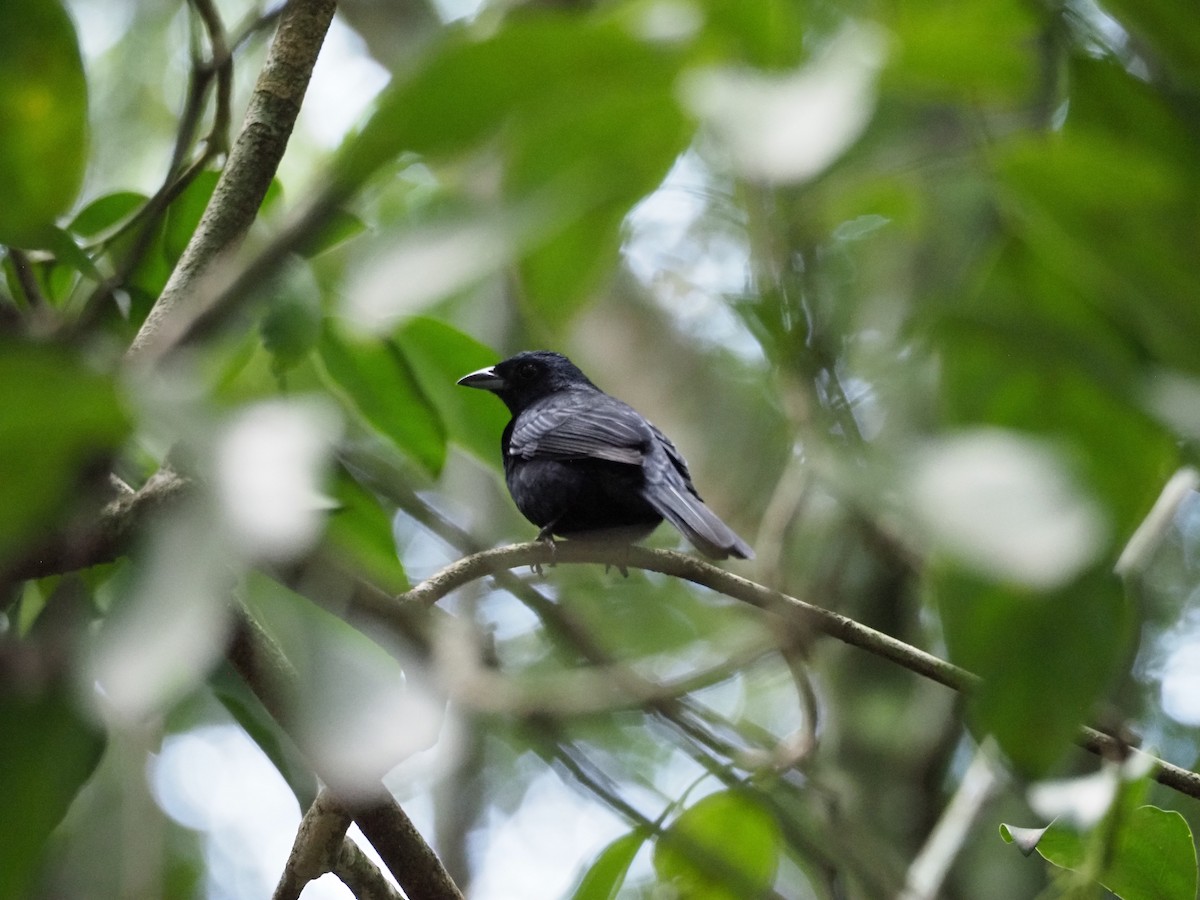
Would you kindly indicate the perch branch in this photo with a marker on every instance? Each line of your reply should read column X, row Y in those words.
column 824, row 621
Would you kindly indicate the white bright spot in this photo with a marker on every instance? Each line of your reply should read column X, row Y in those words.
column 1083, row 801
column 1005, row 505
column 345, row 81
column 536, row 853
column 217, row 781
column 789, row 128
column 389, row 723
column 669, row 21
column 270, row 462
column 422, row 268
column 164, row 639
column 1181, row 684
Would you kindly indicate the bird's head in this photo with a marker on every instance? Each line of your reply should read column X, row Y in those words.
column 527, row 377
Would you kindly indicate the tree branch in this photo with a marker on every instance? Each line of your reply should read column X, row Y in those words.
column 318, row 843
column 252, row 163
column 272, row 678
column 105, row 539
column 824, row 621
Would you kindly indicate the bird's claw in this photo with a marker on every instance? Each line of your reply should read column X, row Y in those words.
column 546, row 537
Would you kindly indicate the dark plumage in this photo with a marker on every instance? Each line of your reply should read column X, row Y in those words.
column 581, row 463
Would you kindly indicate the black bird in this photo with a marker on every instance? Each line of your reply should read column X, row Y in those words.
column 580, row 463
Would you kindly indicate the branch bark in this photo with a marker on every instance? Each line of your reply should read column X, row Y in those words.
column 252, row 163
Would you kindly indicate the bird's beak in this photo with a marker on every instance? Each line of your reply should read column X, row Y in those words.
column 485, row 379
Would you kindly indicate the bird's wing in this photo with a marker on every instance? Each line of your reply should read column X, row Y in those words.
column 582, row 425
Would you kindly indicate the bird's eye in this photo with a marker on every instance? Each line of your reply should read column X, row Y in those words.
column 527, row 370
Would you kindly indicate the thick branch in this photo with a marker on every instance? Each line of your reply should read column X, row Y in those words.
column 252, row 163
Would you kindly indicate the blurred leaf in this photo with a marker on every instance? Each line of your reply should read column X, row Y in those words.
column 183, row 215
column 768, row 34
column 247, row 710
column 355, row 708
column 290, row 331
column 589, row 115
column 362, row 529
column 605, row 876
column 1164, row 26
column 376, row 379
column 43, row 105
column 1044, row 657
column 1153, row 858
column 71, row 254
column 1033, row 352
column 292, row 325
column 340, row 226
column 648, row 615
column 725, row 834
column 1130, row 247
column 57, row 418
column 106, row 212
column 49, row 750
column 440, row 355
column 977, row 50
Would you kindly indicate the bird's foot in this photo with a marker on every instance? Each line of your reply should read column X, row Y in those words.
column 546, row 536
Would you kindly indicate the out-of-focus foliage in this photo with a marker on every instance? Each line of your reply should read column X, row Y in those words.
column 43, row 105
column 913, row 287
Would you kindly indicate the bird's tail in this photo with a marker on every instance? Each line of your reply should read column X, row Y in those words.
column 697, row 522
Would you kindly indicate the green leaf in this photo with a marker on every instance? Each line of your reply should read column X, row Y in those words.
column 57, row 419
column 440, row 355
column 292, row 325
column 106, row 212
column 49, row 751
column 1044, row 657
column 725, row 847
column 977, row 50
column 376, row 379
column 183, row 215
column 361, row 529
column 606, row 874
column 1153, row 856
column 591, row 124
column 340, row 227
column 43, row 105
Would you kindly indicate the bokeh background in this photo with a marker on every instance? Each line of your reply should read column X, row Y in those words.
column 913, row 288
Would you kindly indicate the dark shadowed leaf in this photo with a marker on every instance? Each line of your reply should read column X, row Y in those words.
column 48, row 750
column 1044, row 657
column 56, row 419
